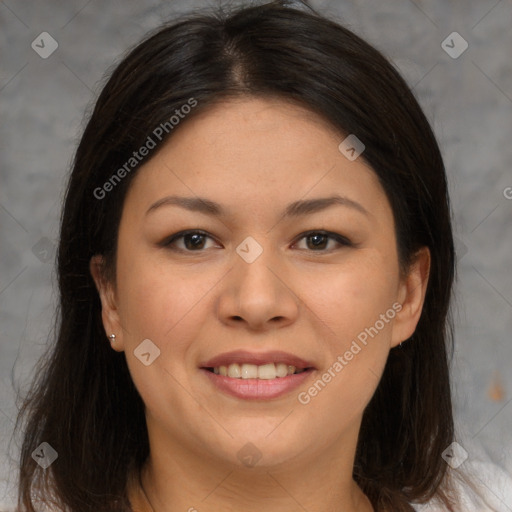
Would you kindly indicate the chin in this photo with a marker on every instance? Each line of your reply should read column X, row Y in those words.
column 263, row 451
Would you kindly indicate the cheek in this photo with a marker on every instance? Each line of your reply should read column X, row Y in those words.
column 358, row 349
column 339, row 404
column 164, row 303
column 352, row 297
column 354, row 306
column 158, row 305
column 152, row 297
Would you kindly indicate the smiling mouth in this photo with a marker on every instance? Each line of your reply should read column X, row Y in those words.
column 267, row 371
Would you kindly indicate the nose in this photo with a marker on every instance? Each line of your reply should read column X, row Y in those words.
column 258, row 294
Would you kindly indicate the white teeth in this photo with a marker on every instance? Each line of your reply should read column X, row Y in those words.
column 267, row 371
column 234, row 371
column 252, row 371
column 249, row 371
column 281, row 370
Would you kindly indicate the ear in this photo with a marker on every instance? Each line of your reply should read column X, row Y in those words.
column 109, row 310
column 411, row 295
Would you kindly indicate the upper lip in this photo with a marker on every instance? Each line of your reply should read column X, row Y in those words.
column 257, row 358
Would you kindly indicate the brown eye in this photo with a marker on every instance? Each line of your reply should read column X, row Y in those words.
column 193, row 241
column 319, row 240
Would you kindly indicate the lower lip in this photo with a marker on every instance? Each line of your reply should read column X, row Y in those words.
column 258, row 389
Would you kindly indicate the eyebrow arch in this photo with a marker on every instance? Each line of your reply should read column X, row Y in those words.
column 295, row 209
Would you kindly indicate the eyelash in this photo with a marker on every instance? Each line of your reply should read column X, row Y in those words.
column 343, row 241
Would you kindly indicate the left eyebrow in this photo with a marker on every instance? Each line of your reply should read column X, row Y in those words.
column 304, row 207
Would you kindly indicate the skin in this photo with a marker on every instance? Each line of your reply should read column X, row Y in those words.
column 254, row 157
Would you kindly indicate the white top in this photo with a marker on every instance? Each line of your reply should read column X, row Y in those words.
column 494, row 485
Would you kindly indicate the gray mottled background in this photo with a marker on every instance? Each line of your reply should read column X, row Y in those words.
column 468, row 99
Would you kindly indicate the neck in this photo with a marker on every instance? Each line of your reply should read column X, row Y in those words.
column 168, row 485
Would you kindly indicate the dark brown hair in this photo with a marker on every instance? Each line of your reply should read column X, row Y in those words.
column 83, row 401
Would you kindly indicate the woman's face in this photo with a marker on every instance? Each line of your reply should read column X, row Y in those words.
column 280, row 275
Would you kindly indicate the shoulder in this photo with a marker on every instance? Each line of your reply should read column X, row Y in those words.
column 485, row 487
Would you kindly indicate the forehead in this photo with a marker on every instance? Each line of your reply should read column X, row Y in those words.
column 254, row 119
column 252, row 151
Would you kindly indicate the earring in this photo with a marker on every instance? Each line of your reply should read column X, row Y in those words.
column 112, row 338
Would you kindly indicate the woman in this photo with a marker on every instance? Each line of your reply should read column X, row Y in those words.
column 257, row 220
